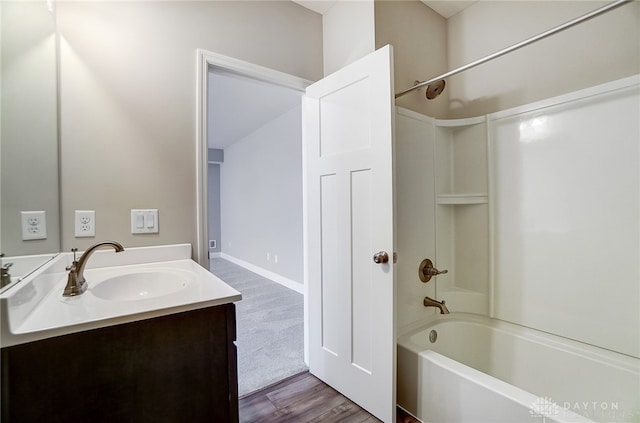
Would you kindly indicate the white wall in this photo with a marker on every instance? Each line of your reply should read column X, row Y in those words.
column 261, row 197
column 128, row 95
column 415, row 214
column 566, row 198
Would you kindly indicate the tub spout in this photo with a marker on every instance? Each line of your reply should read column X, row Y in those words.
column 429, row 302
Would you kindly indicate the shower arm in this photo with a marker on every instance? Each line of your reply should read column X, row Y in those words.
column 559, row 28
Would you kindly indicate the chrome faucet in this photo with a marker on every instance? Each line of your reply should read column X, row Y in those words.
column 76, row 284
column 429, row 302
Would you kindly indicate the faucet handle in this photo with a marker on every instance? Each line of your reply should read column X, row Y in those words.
column 74, row 262
column 6, row 266
column 426, row 270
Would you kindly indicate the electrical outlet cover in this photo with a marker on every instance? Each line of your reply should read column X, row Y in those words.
column 34, row 225
column 85, row 223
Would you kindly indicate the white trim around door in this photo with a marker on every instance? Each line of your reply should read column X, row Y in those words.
column 207, row 61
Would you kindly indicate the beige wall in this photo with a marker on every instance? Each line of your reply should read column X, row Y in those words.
column 128, row 83
column 418, row 35
column 348, row 33
column 29, row 165
column 600, row 50
column 128, row 93
column 426, row 45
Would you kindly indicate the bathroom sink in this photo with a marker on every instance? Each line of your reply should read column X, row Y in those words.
column 141, row 285
column 136, row 284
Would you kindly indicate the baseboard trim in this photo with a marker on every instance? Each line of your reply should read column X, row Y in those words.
column 289, row 283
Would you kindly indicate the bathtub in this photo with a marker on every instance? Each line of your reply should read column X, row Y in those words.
column 486, row 370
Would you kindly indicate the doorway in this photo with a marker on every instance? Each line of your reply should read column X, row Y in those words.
column 253, row 201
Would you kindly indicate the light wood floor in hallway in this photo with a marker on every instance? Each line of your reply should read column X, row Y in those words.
column 303, row 399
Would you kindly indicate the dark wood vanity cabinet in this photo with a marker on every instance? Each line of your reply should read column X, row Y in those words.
column 175, row 368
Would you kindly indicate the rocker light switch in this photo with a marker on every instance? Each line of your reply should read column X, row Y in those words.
column 144, row 221
column 149, row 220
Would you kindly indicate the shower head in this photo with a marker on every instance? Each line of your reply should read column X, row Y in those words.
column 435, row 89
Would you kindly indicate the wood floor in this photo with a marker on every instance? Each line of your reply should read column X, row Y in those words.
column 302, row 399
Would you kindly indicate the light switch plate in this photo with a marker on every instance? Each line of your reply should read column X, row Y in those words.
column 34, row 225
column 144, row 221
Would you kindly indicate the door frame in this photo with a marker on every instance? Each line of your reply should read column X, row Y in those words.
column 207, row 60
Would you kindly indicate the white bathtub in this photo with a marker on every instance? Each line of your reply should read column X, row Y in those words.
column 486, row 370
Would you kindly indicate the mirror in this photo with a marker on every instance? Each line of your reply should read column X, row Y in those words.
column 28, row 134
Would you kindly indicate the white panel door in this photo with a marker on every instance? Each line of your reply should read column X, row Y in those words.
column 348, row 160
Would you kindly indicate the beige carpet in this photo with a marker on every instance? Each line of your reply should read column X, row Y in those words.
column 270, row 328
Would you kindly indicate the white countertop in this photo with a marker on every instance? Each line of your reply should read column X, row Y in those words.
column 35, row 308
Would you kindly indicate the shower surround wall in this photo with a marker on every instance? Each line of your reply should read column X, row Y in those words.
column 600, row 50
column 534, row 213
column 442, row 213
column 566, row 216
column 537, row 220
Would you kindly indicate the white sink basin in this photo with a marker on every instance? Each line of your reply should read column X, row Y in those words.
column 142, row 285
column 138, row 283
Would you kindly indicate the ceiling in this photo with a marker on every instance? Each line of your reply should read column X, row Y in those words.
column 318, row 6
column 446, row 8
column 239, row 105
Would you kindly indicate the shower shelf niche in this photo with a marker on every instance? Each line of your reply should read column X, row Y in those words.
column 461, row 199
column 462, row 213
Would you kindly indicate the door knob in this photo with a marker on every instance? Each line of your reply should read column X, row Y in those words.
column 381, row 257
column 426, row 270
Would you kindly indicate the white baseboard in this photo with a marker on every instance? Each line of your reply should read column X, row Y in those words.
column 289, row 283
column 215, row 255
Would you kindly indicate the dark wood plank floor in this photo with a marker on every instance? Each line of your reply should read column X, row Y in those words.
column 302, row 399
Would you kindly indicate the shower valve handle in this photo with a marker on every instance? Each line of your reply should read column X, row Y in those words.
column 426, row 270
